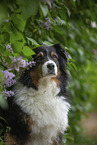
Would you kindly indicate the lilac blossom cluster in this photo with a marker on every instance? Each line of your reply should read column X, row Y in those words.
column 8, row 82
column 16, row 64
column 47, row 24
column 9, row 48
column 9, row 79
column 8, row 93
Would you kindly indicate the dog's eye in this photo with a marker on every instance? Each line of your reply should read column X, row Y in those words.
column 54, row 56
column 40, row 56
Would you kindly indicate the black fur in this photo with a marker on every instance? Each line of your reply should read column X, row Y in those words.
column 62, row 58
column 14, row 115
column 26, row 80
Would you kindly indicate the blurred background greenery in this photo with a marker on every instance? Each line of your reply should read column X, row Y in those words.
column 73, row 23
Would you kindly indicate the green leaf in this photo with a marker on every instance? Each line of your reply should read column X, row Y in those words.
column 7, row 27
column 3, row 119
column 44, row 9
column 15, row 35
column 60, row 21
column 2, row 38
column 7, row 59
column 17, row 46
column 29, row 8
column 63, row 14
column 33, row 41
column 69, row 137
column 1, row 142
column 1, row 131
column 2, row 48
column 58, row 29
column 7, row 53
column 3, row 12
column 47, row 43
column 28, row 51
column 19, row 21
column 3, row 104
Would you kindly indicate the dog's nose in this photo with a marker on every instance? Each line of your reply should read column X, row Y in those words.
column 50, row 66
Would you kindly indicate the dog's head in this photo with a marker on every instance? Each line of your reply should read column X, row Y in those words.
column 50, row 61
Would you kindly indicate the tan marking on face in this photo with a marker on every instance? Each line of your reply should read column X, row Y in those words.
column 35, row 75
column 56, row 80
column 54, row 55
column 39, row 56
column 41, row 53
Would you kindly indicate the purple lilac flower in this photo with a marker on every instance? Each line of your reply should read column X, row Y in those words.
column 47, row 24
column 8, row 74
column 9, row 79
column 9, row 48
column 17, row 63
column 4, row 62
column 8, row 82
column 8, row 93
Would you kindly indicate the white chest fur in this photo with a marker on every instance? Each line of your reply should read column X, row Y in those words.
column 48, row 111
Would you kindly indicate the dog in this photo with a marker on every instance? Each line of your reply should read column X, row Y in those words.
column 38, row 112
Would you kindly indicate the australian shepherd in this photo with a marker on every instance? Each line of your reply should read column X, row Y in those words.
column 38, row 112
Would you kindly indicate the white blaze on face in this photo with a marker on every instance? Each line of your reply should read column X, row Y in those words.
column 45, row 68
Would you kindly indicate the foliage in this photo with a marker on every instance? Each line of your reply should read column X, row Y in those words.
column 25, row 25
column 91, row 71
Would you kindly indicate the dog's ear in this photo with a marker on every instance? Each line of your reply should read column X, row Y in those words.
column 61, row 52
column 62, row 56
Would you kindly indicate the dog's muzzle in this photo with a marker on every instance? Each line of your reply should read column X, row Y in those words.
column 49, row 68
